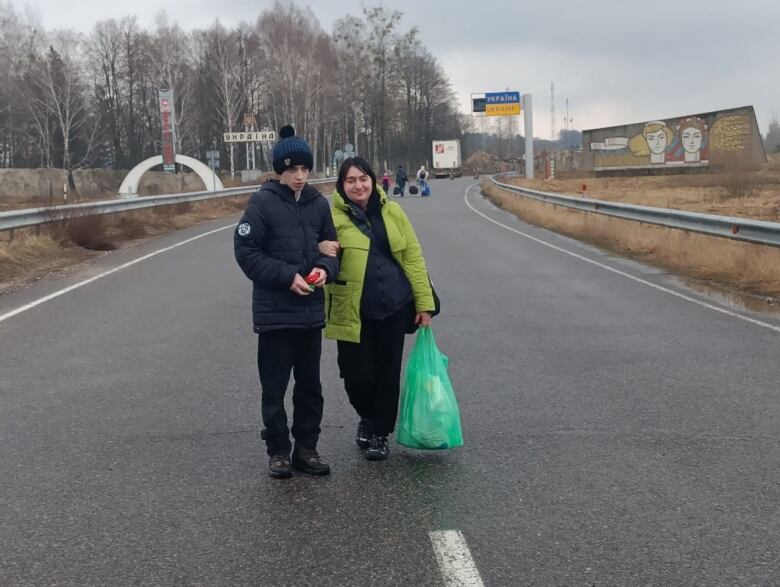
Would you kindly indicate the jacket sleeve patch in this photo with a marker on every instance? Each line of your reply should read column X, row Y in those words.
column 244, row 229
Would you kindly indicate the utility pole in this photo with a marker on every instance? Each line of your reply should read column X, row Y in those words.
column 552, row 110
column 528, row 117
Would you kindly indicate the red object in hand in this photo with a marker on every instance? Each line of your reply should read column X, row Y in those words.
column 312, row 277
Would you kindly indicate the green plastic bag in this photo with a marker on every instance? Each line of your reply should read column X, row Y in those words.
column 429, row 411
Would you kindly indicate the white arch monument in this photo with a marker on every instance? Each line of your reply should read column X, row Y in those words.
column 129, row 187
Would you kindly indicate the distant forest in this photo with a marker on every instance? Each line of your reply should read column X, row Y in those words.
column 69, row 100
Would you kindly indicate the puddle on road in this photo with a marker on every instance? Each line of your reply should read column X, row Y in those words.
column 735, row 299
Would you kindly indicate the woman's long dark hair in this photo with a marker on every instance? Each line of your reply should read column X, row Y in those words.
column 361, row 164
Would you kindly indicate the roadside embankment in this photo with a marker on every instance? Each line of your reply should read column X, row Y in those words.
column 742, row 266
column 34, row 188
column 63, row 243
column 744, row 192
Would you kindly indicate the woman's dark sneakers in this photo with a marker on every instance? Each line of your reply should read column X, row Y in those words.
column 378, row 448
column 309, row 461
column 363, row 435
column 279, row 466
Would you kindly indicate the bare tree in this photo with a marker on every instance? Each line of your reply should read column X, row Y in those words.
column 59, row 91
column 285, row 39
column 11, row 43
column 227, row 97
column 29, row 129
column 773, row 136
column 135, row 44
column 104, row 48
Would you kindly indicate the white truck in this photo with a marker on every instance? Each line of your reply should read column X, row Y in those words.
column 446, row 159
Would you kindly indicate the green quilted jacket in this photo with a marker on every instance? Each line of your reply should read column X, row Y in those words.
column 342, row 297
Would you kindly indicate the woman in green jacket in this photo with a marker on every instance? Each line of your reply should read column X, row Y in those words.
column 382, row 292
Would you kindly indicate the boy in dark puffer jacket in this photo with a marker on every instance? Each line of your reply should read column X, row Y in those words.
column 275, row 244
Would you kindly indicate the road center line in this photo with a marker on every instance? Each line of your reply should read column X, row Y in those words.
column 70, row 288
column 454, row 558
column 619, row 272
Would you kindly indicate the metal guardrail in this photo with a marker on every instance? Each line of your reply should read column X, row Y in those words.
column 13, row 219
column 731, row 227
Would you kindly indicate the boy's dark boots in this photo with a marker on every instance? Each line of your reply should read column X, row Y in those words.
column 363, row 435
column 378, row 448
column 309, row 461
column 279, row 466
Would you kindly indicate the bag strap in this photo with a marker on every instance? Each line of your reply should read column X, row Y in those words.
column 364, row 227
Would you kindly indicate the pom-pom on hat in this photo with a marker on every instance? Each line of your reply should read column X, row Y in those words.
column 291, row 151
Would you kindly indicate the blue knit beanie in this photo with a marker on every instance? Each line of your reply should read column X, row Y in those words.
column 291, row 151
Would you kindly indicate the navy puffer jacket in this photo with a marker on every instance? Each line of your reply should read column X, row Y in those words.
column 275, row 239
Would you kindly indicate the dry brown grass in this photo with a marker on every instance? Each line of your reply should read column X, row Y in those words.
column 31, row 255
column 743, row 266
column 67, row 241
column 733, row 192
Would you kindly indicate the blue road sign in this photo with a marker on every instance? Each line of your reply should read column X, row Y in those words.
column 502, row 98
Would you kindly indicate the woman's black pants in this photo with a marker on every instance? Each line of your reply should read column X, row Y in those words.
column 371, row 370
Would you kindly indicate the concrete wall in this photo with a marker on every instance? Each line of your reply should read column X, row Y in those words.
column 698, row 140
column 90, row 183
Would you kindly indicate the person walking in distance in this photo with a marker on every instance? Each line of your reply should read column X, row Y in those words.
column 275, row 244
column 400, row 180
column 422, row 179
column 382, row 293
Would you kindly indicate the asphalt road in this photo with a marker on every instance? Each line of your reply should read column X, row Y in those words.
column 619, row 429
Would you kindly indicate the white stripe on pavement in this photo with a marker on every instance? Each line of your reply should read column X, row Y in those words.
column 623, row 273
column 58, row 293
column 454, row 558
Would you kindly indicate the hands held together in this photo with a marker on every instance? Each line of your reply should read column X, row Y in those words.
column 317, row 277
column 304, row 286
column 300, row 285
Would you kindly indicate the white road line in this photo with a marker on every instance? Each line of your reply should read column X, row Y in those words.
column 70, row 288
column 454, row 558
column 622, row 273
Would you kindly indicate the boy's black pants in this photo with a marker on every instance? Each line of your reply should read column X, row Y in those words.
column 278, row 353
column 371, row 369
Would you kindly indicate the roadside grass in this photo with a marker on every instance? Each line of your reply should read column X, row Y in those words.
column 745, row 267
column 32, row 255
column 736, row 191
column 150, row 185
column 66, row 241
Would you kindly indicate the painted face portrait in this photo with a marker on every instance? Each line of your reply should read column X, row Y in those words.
column 692, row 139
column 656, row 141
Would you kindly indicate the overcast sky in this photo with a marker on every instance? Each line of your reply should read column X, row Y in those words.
column 617, row 61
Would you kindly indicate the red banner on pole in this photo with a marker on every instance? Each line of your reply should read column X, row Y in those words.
column 168, row 118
